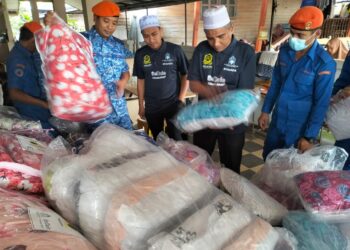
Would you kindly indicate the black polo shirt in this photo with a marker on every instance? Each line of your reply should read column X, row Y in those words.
column 234, row 67
column 161, row 70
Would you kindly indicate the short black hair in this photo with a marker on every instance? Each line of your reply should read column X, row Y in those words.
column 25, row 34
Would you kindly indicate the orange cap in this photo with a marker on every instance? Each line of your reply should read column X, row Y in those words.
column 106, row 8
column 307, row 18
column 33, row 26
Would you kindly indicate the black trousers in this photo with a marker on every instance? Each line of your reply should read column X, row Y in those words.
column 156, row 121
column 230, row 145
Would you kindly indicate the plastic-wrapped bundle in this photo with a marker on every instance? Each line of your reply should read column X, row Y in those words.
column 256, row 235
column 20, row 159
column 198, row 159
column 75, row 90
column 209, row 228
column 338, row 116
column 152, row 204
column 12, row 121
column 287, row 239
column 233, row 108
column 314, row 235
column 283, row 164
column 325, row 193
column 251, row 197
column 17, row 231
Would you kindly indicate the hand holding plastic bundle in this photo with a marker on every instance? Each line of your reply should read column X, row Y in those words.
column 232, row 109
column 338, row 117
column 74, row 88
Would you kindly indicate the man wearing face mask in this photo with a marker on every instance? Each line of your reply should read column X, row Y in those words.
column 301, row 86
column 218, row 64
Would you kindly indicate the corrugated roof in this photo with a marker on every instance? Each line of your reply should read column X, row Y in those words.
column 143, row 4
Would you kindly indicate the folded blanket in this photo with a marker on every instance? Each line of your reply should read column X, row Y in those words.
column 337, row 116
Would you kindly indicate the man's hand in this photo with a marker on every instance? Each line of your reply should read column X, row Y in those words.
column 264, row 120
column 48, row 18
column 213, row 92
column 304, row 145
column 142, row 111
column 345, row 93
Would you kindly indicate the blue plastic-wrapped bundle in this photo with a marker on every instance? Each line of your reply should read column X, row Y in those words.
column 233, row 108
column 314, row 234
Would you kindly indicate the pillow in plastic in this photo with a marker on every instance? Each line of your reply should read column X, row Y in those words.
column 256, row 235
column 12, row 121
column 338, row 116
column 74, row 89
column 314, row 234
column 233, row 108
column 209, row 228
column 325, row 193
column 17, row 231
column 148, row 206
column 193, row 156
column 251, row 197
column 283, row 164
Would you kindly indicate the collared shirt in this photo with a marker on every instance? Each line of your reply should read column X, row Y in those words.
column 24, row 73
column 344, row 78
column 161, row 70
column 300, row 91
column 233, row 68
column 109, row 55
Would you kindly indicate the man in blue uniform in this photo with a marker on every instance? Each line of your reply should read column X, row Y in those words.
column 25, row 77
column 342, row 87
column 301, row 86
column 109, row 55
column 161, row 70
column 220, row 63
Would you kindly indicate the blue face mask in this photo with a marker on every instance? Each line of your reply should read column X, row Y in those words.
column 297, row 44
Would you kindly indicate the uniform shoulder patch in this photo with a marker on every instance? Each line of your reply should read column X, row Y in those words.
column 19, row 70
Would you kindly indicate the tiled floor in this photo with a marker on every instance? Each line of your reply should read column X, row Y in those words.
column 252, row 153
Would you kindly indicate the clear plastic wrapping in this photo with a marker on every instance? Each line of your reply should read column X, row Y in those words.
column 12, row 121
column 314, row 234
column 18, row 230
column 20, row 159
column 195, row 157
column 251, row 197
column 126, row 193
column 233, row 108
column 326, row 194
column 338, row 117
column 74, row 88
column 276, row 176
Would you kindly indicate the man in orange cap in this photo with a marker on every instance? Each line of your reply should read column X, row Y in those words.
column 109, row 55
column 301, row 86
column 25, row 77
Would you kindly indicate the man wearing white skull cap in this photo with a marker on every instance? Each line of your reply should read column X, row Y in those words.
column 161, row 70
column 219, row 64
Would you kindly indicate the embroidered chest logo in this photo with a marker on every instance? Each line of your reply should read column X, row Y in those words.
column 167, row 56
column 146, row 60
column 231, row 64
column 208, row 59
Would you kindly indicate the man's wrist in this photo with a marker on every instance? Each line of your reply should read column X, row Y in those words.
column 310, row 139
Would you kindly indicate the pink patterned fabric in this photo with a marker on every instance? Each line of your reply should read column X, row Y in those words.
column 19, row 168
column 75, row 90
column 325, row 191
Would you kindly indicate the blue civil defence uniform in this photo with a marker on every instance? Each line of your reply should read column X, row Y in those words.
column 299, row 96
column 24, row 73
column 109, row 55
column 342, row 82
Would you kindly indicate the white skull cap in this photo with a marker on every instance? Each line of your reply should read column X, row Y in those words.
column 149, row 21
column 215, row 18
